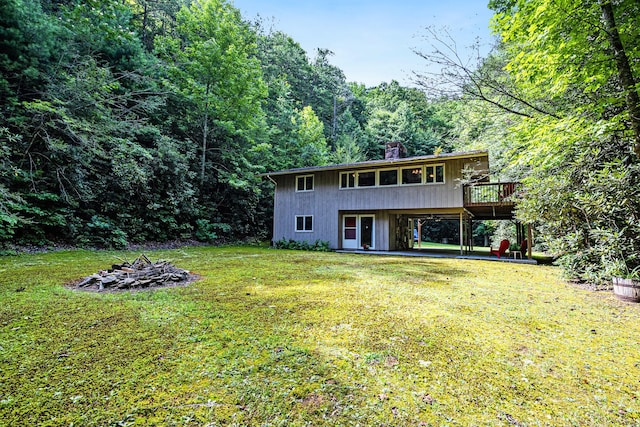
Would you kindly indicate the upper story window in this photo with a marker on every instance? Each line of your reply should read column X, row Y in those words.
column 347, row 179
column 357, row 179
column 434, row 174
column 304, row 183
column 367, row 179
column 412, row 175
column 388, row 177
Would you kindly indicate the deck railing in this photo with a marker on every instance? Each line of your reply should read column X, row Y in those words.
column 490, row 194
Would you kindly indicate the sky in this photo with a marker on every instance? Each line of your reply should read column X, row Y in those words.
column 373, row 41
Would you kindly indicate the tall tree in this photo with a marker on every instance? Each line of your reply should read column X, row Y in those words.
column 398, row 113
column 626, row 74
column 568, row 56
column 562, row 78
column 213, row 63
column 310, row 146
column 217, row 81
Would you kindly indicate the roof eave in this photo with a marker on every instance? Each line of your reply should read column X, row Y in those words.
column 384, row 162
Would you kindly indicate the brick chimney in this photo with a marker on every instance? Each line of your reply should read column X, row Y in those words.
column 394, row 150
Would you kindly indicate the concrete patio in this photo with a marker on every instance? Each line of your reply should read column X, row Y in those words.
column 434, row 253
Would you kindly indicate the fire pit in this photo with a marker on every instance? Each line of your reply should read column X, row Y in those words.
column 140, row 274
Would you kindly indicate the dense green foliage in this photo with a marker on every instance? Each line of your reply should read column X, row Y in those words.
column 273, row 337
column 134, row 121
column 579, row 145
column 557, row 105
column 303, row 245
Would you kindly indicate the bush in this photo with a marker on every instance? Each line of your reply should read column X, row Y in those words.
column 588, row 213
column 208, row 232
column 302, row 245
column 101, row 232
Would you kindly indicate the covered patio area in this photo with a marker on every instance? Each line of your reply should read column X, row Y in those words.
column 482, row 201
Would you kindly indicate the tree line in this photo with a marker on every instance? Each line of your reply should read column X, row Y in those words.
column 132, row 121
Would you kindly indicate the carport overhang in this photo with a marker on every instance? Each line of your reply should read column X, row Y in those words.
column 465, row 216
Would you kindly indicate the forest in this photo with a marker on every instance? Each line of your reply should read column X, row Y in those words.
column 129, row 121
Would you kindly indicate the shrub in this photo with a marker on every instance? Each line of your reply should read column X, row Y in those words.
column 302, row 245
column 102, row 232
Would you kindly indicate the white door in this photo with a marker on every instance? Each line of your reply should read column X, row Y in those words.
column 358, row 231
column 350, row 232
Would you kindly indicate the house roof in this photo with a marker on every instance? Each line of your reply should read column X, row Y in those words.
column 385, row 162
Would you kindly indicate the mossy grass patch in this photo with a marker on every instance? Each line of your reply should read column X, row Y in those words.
column 278, row 337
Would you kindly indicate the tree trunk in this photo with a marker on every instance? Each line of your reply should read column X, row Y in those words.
column 205, row 132
column 624, row 71
column 334, row 122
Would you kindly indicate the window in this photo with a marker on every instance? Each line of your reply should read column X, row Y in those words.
column 412, row 176
column 304, row 183
column 435, row 174
column 409, row 175
column 347, row 180
column 350, row 228
column 366, row 179
column 304, row 223
column 389, row 177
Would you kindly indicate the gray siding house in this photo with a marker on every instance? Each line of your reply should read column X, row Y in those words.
column 372, row 204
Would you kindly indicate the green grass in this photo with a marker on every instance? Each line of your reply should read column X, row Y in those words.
column 477, row 250
column 270, row 338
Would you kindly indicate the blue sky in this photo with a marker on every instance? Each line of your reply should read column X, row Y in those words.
column 372, row 40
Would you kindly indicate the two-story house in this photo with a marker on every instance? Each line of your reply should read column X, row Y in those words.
column 372, row 204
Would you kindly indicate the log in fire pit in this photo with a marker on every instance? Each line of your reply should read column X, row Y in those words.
column 140, row 274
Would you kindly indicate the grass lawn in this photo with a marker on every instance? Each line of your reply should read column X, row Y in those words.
column 271, row 338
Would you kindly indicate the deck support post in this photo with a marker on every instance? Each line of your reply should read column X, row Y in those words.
column 529, row 241
column 461, row 234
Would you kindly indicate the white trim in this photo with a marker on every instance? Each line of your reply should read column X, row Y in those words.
column 305, row 190
column 434, row 166
column 304, row 223
column 354, row 180
column 349, row 243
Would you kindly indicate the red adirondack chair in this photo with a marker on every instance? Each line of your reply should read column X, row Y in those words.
column 504, row 245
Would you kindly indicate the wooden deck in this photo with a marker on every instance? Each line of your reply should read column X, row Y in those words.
column 491, row 200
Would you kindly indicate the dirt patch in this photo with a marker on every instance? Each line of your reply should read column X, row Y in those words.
column 591, row 286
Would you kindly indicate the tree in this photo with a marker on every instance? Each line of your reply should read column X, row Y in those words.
column 310, row 146
column 626, row 74
column 347, row 151
column 214, row 67
column 154, row 18
column 584, row 168
column 398, row 113
column 561, row 79
column 328, row 85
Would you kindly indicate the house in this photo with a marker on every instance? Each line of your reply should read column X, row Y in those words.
column 373, row 204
